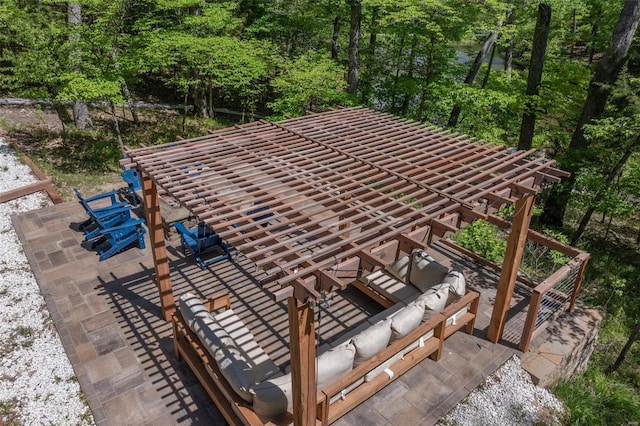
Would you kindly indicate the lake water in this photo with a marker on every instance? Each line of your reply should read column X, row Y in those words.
column 467, row 53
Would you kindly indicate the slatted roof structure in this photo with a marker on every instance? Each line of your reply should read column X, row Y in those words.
column 308, row 198
column 301, row 195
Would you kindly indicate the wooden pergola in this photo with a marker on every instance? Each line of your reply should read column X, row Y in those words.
column 307, row 198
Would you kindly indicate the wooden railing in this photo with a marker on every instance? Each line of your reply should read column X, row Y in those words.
column 551, row 297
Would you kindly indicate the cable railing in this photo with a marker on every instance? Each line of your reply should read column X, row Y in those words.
column 552, row 297
column 549, row 280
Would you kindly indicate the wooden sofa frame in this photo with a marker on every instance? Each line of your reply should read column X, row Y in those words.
column 238, row 412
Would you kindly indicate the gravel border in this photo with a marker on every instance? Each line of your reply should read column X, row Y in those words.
column 37, row 383
column 507, row 397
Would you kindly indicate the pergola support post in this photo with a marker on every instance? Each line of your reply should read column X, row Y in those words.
column 158, row 248
column 510, row 266
column 303, row 362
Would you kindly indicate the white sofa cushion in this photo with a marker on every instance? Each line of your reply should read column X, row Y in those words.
column 406, row 320
column 272, row 396
column 457, row 284
column 400, row 268
column 453, row 319
column 262, row 367
column 212, row 335
column 425, row 271
column 237, row 370
column 191, row 306
column 386, row 314
column 434, row 300
column 371, row 341
column 334, row 363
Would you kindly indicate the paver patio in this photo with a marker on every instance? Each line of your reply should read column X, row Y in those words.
column 109, row 319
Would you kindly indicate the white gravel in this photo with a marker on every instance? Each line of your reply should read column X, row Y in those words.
column 507, row 397
column 37, row 383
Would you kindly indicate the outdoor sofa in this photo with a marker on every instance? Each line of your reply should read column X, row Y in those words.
column 249, row 388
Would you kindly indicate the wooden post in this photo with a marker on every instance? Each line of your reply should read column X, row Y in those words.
column 510, row 266
column 303, row 362
column 579, row 277
column 530, row 322
column 156, row 236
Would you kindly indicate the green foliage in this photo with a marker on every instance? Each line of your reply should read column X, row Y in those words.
column 595, row 399
column 483, row 238
column 309, row 83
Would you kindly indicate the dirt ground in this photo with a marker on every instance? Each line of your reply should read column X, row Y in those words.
column 21, row 117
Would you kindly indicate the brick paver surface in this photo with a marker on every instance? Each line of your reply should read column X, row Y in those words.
column 108, row 317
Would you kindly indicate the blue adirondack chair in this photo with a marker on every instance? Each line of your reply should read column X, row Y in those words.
column 100, row 204
column 134, row 183
column 116, row 216
column 200, row 240
column 115, row 239
column 100, row 207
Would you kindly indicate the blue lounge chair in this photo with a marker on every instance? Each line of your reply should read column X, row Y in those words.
column 110, row 213
column 134, row 183
column 202, row 239
column 115, row 216
column 117, row 238
column 106, row 200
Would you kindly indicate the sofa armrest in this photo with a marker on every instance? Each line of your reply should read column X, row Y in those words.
column 217, row 301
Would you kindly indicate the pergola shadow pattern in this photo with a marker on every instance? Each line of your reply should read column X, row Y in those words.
column 110, row 322
column 301, row 195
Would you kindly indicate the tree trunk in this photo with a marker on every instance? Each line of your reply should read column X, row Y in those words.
column 124, row 86
column 623, row 353
column 475, row 67
column 613, row 174
column 426, row 83
column 508, row 56
column 371, row 55
column 538, row 51
column 354, row 46
column 606, row 74
column 410, row 68
column 489, row 67
column 117, row 127
column 335, row 39
column 592, row 48
column 574, row 29
column 74, row 18
column 396, row 77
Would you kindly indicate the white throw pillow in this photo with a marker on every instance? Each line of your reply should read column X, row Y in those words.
column 273, row 396
column 425, row 271
column 212, row 334
column 406, row 320
column 236, row 369
column 334, row 363
column 457, row 284
column 434, row 300
column 371, row 341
